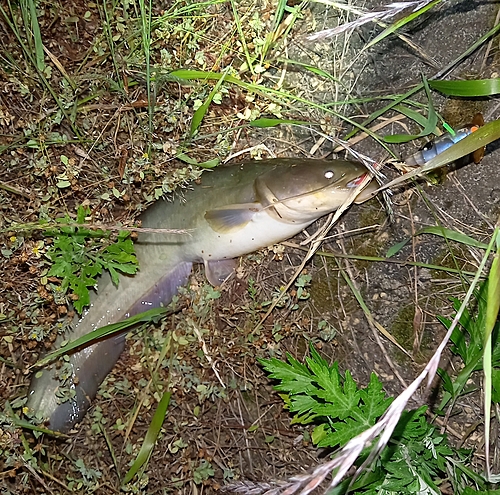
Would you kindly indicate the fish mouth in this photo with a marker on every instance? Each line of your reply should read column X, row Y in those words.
column 356, row 182
column 367, row 192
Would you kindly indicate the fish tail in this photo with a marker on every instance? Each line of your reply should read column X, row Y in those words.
column 89, row 366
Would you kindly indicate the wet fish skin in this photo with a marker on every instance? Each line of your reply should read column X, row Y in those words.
column 234, row 210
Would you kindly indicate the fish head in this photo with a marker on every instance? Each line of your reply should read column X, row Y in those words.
column 308, row 189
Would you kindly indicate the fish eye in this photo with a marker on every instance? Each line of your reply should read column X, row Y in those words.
column 329, row 174
column 428, row 146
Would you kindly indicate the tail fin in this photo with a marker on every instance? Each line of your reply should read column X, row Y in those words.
column 92, row 364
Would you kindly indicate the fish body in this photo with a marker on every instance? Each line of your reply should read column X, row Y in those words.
column 232, row 211
column 443, row 142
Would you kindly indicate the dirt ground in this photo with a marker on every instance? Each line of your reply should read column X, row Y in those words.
column 225, row 421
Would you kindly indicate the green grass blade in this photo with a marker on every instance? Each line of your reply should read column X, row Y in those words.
column 432, row 119
column 237, row 21
column 26, row 425
column 474, row 359
column 281, row 25
column 487, row 386
column 381, row 259
column 261, row 123
column 429, row 125
column 191, row 161
column 411, row 114
column 492, row 32
column 453, row 235
column 314, row 70
column 396, row 248
column 372, row 99
column 273, row 94
column 109, row 443
column 150, row 439
column 492, row 309
column 461, row 380
column 178, row 10
column 468, row 89
column 42, row 77
column 375, row 115
column 400, row 23
column 111, row 44
column 272, row 34
column 102, row 332
column 266, row 122
column 146, row 46
column 37, row 36
column 493, row 297
column 280, row 11
column 200, row 113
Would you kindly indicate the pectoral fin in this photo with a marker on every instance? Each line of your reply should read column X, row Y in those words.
column 217, row 271
column 231, row 218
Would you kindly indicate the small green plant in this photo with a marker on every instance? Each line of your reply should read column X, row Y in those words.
column 89, row 479
column 203, row 472
column 417, row 460
column 302, row 283
column 283, row 299
column 253, row 289
column 79, row 255
column 468, row 340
